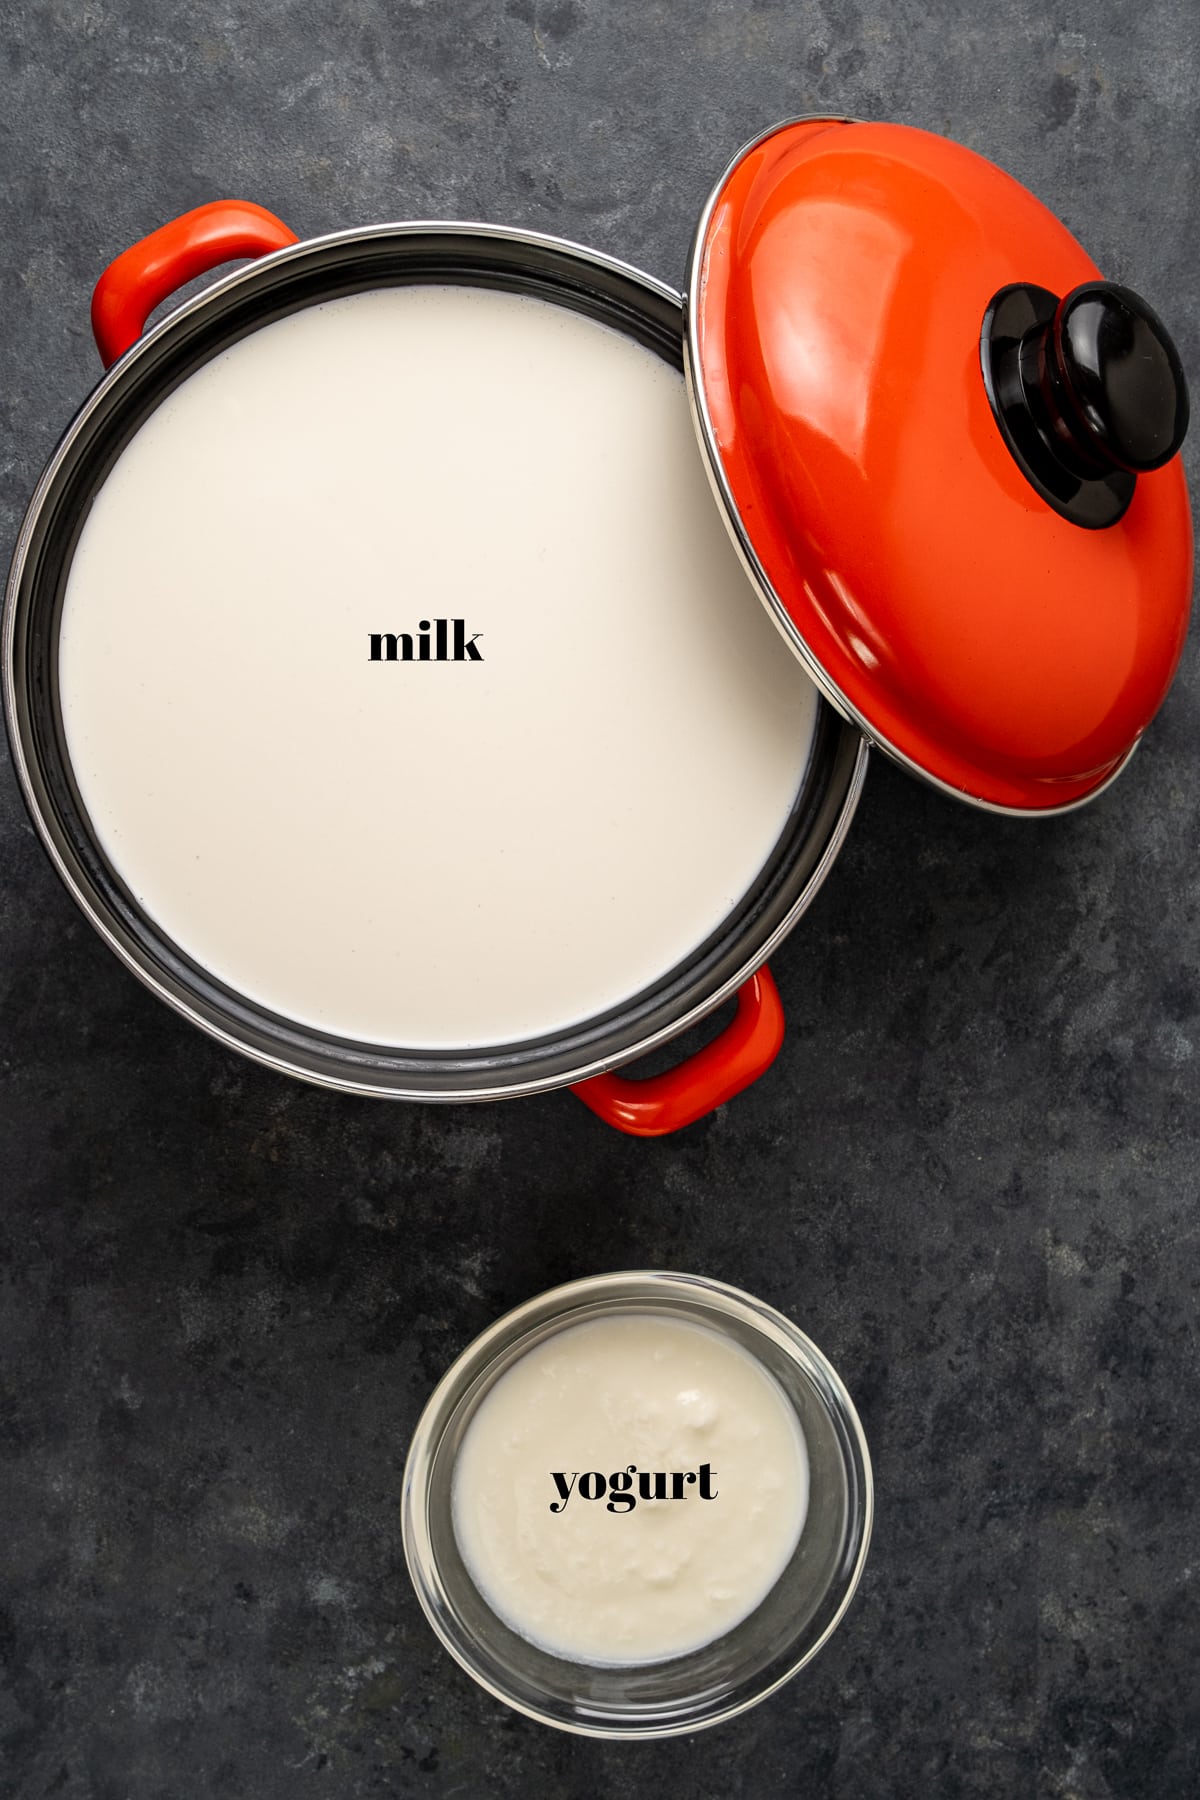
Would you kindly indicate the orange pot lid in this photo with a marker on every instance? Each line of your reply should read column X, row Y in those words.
column 947, row 456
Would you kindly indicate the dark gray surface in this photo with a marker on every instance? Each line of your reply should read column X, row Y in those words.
column 971, row 1177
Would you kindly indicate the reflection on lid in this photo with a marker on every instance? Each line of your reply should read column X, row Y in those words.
column 822, row 338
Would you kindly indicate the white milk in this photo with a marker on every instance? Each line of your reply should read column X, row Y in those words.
column 591, row 1578
column 427, row 853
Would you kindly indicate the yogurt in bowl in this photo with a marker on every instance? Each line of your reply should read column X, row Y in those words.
column 751, row 1511
column 656, row 1557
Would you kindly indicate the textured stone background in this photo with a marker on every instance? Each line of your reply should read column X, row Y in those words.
column 972, row 1175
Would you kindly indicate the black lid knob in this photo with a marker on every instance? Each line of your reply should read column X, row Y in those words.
column 1119, row 378
column 1088, row 392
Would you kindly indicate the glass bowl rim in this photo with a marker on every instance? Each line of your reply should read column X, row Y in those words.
column 554, row 1306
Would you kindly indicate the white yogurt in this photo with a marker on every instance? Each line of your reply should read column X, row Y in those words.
column 630, row 1489
column 427, row 853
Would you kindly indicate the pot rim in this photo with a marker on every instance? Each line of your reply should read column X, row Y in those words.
column 360, row 1071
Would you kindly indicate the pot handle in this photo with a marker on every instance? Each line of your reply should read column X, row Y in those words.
column 144, row 275
column 658, row 1104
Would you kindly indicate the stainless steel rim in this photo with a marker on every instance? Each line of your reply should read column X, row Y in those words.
column 358, row 1082
column 763, row 585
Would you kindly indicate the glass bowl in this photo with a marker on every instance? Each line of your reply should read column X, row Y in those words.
column 732, row 1672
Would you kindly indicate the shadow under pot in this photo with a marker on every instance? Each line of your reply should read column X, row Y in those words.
column 394, row 699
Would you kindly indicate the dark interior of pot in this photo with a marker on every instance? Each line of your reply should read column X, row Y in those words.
column 321, row 271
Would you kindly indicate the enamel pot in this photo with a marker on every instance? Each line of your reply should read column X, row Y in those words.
column 145, row 368
column 943, row 447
